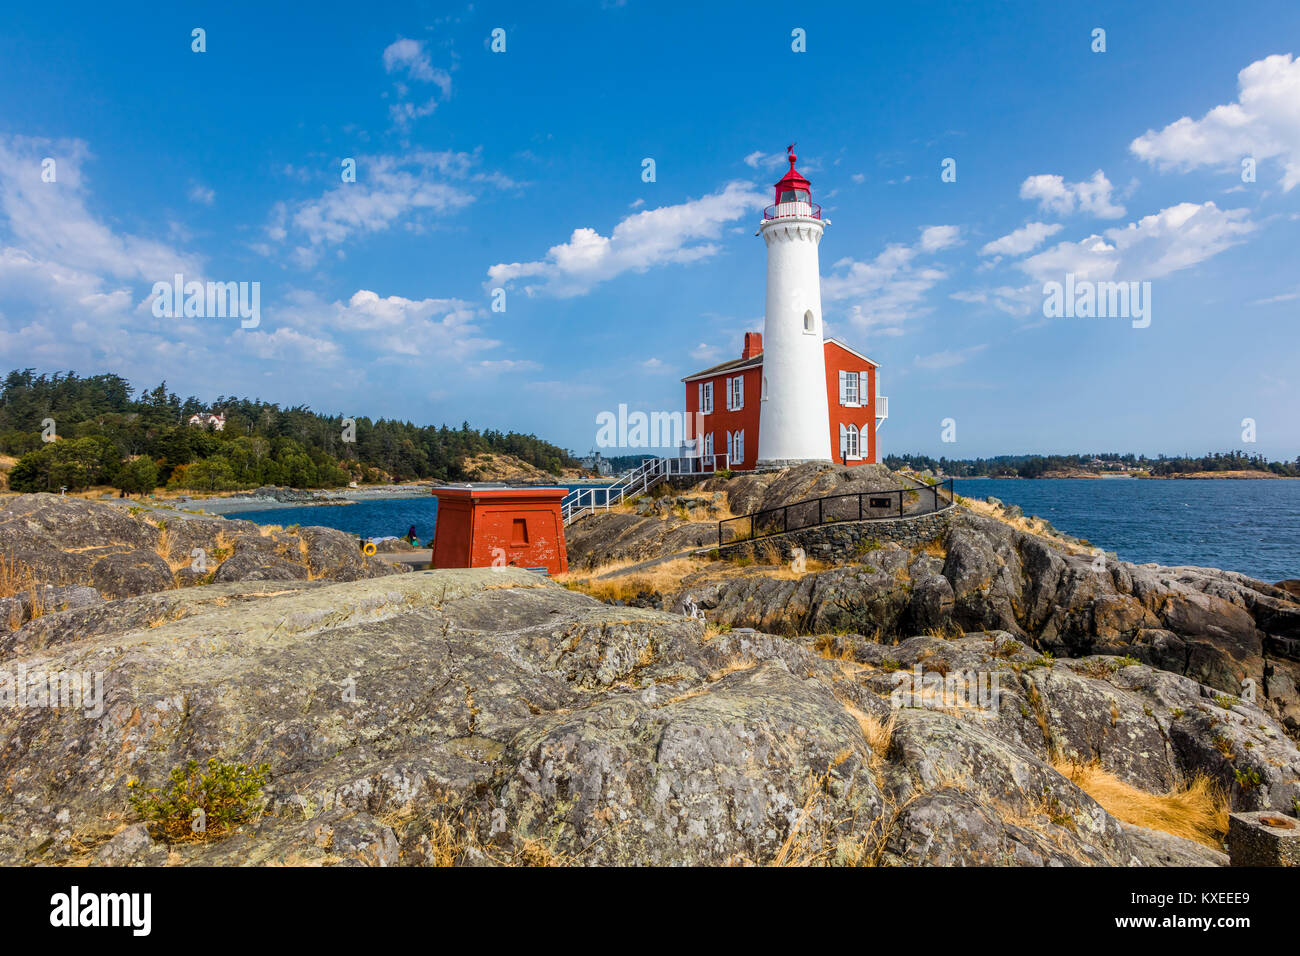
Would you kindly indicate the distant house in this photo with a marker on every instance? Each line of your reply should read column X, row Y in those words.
column 204, row 419
column 596, row 463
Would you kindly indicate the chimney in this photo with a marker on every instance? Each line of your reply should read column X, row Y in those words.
column 753, row 344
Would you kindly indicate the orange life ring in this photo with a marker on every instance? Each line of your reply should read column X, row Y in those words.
column 369, row 549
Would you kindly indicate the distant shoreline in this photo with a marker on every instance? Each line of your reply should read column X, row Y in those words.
column 239, row 504
column 335, row 497
column 1181, row 476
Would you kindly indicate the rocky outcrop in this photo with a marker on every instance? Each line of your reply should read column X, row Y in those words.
column 121, row 551
column 623, row 536
column 670, row 522
column 1219, row 628
column 756, row 491
column 491, row 716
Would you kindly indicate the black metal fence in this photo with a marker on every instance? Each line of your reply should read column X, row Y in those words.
column 860, row 506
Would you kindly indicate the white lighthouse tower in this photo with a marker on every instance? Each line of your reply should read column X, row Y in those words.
column 793, row 413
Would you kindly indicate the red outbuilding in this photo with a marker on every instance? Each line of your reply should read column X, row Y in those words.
column 501, row 527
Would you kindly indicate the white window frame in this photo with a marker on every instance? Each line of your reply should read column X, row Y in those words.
column 706, row 398
column 852, row 443
column 708, row 443
column 850, row 390
column 736, row 393
column 738, row 440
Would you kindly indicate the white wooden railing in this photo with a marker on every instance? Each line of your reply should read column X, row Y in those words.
column 584, row 501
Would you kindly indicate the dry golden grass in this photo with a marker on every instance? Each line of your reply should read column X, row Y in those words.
column 1044, row 816
column 934, row 549
column 806, row 844
column 1197, row 811
column 731, row 667
column 609, row 567
column 835, row 647
column 297, row 858
column 624, row 587
column 818, row 839
column 700, row 513
column 453, row 837
column 734, row 534
column 607, row 582
column 16, row 579
column 163, row 548
column 1030, row 526
column 224, row 547
column 877, row 733
column 947, row 632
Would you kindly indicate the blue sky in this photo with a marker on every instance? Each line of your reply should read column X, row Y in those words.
column 522, row 170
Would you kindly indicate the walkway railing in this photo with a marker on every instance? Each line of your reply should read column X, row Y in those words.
column 584, row 501
column 812, row 512
column 787, row 210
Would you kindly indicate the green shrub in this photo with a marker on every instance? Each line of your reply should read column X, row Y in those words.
column 1247, row 779
column 200, row 805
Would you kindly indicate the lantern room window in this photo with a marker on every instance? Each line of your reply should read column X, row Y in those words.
column 794, row 195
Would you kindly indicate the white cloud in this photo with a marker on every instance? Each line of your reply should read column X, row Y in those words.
column 389, row 189
column 397, row 326
column 71, row 286
column 51, row 221
column 1055, row 195
column 507, row 365
column 761, row 160
column 393, row 329
column 1013, row 301
column 406, row 57
column 1151, row 248
column 289, row 344
column 1264, row 123
column 934, row 238
column 202, row 195
column 887, row 291
column 1282, row 297
column 1022, row 240
column 641, row 241
column 948, row 358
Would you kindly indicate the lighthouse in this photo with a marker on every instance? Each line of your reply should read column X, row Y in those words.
column 793, row 409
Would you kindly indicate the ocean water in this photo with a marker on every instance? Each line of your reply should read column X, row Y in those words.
column 1251, row 526
column 1247, row 526
column 370, row 519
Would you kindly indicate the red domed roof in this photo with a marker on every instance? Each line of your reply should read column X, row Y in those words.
column 792, row 178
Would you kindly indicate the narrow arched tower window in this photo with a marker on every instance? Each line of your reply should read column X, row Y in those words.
column 809, row 323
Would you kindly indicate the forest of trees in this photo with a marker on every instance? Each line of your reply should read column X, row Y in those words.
column 1033, row 466
column 105, row 434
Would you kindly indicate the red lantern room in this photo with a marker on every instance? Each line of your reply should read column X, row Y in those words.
column 793, row 194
